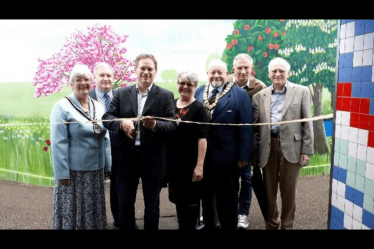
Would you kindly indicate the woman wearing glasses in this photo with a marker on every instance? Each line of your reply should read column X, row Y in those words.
column 187, row 153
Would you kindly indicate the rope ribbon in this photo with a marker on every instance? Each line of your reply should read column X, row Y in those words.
column 328, row 116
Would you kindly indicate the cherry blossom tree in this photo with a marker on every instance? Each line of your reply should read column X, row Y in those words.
column 99, row 44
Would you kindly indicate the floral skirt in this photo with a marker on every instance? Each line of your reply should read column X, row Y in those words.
column 80, row 205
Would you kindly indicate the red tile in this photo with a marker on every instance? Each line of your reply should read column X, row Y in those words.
column 371, row 122
column 364, row 122
column 355, row 105
column 347, row 89
column 355, row 117
column 371, row 139
column 339, row 103
column 340, row 89
column 346, row 104
column 365, row 106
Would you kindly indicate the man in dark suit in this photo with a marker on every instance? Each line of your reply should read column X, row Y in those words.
column 141, row 142
column 103, row 93
column 229, row 147
column 283, row 148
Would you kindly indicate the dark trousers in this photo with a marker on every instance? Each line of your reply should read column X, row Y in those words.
column 258, row 183
column 127, row 186
column 221, row 185
column 114, row 202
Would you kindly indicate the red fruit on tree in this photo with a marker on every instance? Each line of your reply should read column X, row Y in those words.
column 265, row 54
column 268, row 30
column 259, row 37
column 48, row 142
column 249, row 49
column 271, row 46
column 246, row 27
column 45, row 149
column 282, row 20
column 234, row 42
column 236, row 31
column 253, row 72
column 276, row 46
column 276, row 34
column 229, row 46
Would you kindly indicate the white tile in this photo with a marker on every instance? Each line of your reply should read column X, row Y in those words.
column 350, row 32
column 353, row 134
column 337, row 131
column 348, row 221
column 352, row 149
column 357, row 58
column 370, row 155
column 368, row 40
column 338, row 117
column 363, row 137
column 359, row 43
column 361, row 152
column 333, row 199
column 346, row 118
column 369, row 171
column 357, row 213
column 348, row 207
column 356, row 225
column 344, row 133
column 343, row 28
column 342, row 46
column 349, row 45
column 367, row 59
column 365, row 227
column 341, row 189
column 334, row 187
column 340, row 202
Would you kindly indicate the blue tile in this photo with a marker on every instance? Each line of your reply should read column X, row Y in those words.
column 359, row 27
column 349, row 193
column 339, row 217
column 342, row 21
column 340, row 75
column 372, row 90
column 342, row 175
column 365, row 90
column 335, row 172
column 347, row 74
column 341, row 60
column 367, row 73
column 358, row 198
column 333, row 212
column 372, row 105
column 356, row 89
column 348, row 60
column 357, row 74
column 367, row 218
column 369, row 25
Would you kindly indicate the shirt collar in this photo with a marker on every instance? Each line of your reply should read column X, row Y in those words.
column 246, row 84
column 101, row 93
column 148, row 89
column 219, row 88
column 283, row 89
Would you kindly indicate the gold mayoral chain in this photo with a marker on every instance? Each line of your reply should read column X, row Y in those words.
column 210, row 107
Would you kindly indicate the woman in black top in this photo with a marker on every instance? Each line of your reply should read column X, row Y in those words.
column 187, row 150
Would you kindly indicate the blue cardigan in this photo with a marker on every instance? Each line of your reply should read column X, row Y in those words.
column 75, row 146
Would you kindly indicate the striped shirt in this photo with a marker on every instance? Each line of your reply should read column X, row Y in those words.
column 100, row 96
column 276, row 105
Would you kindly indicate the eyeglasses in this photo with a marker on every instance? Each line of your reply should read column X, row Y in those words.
column 188, row 84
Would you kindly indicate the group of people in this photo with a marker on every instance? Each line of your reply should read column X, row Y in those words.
column 203, row 146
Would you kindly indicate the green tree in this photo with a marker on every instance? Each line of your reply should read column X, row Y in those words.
column 259, row 38
column 310, row 48
column 169, row 75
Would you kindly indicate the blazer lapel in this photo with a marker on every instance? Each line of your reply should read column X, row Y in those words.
column 222, row 102
column 290, row 92
column 133, row 99
column 150, row 99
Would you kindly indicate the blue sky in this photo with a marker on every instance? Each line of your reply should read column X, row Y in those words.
column 177, row 44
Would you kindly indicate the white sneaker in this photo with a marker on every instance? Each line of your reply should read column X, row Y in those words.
column 242, row 221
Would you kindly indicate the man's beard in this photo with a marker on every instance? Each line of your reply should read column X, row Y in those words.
column 216, row 84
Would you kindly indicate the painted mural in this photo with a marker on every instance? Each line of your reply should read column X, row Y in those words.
column 29, row 89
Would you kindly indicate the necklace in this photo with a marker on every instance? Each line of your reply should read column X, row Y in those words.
column 210, row 107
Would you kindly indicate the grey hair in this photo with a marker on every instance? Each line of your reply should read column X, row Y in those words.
column 80, row 70
column 217, row 63
column 190, row 76
column 277, row 61
column 243, row 56
column 101, row 65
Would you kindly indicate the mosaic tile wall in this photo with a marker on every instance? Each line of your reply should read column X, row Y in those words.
column 352, row 187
